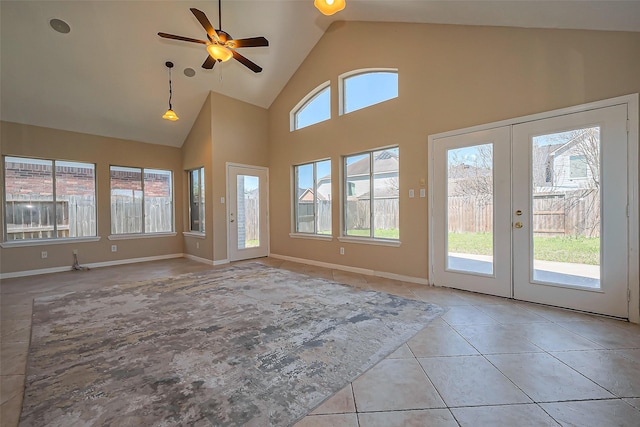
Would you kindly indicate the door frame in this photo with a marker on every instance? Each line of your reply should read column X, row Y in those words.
column 633, row 133
column 228, row 167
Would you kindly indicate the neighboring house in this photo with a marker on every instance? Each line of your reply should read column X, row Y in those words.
column 568, row 166
column 385, row 172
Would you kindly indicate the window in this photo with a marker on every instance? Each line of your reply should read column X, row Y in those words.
column 363, row 88
column 47, row 199
column 196, row 200
column 141, row 200
column 371, row 204
column 313, row 197
column 577, row 166
column 313, row 108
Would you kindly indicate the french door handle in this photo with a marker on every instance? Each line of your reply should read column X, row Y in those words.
column 518, row 225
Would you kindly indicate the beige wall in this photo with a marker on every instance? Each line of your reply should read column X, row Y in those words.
column 240, row 135
column 197, row 152
column 450, row 77
column 31, row 141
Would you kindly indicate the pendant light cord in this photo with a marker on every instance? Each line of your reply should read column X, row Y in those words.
column 170, row 89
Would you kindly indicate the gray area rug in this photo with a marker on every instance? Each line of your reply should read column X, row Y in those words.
column 246, row 345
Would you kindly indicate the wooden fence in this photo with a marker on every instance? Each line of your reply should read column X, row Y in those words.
column 385, row 214
column 574, row 213
column 126, row 215
column 32, row 216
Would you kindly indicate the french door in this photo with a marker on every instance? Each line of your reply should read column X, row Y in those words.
column 536, row 211
column 247, row 212
column 471, row 211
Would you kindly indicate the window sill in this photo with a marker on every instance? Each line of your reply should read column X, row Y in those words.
column 370, row 241
column 140, row 236
column 43, row 242
column 195, row 234
column 326, row 238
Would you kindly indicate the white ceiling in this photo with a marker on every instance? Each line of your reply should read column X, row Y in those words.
column 107, row 76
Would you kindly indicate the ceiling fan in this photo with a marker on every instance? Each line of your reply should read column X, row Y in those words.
column 220, row 45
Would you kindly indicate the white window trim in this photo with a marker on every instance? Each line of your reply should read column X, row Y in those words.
column 140, row 235
column 343, row 237
column 51, row 241
column 311, row 236
column 294, row 200
column 342, row 77
column 370, row 241
column 33, row 242
column 196, row 234
column 144, row 233
column 201, row 177
column 304, row 101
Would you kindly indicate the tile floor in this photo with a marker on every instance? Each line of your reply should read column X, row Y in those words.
column 487, row 361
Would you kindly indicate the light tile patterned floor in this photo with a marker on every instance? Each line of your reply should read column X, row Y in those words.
column 488, row 361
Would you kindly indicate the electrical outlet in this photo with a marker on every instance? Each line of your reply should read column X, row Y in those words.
column 43, row 254
column 341, row 251
column 114, row 248
column 75, row 252
column 197, row 245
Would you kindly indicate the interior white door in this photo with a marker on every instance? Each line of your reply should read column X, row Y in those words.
column 247, row 212
column 471, row 220
column 570, row 236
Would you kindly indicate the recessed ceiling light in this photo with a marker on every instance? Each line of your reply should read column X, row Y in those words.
column 189, row 72
column 60, row 26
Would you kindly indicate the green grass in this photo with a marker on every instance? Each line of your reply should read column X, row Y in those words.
column 581, row 250
column 392, row 233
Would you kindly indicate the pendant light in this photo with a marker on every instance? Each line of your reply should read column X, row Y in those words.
column 170, row 115
column 329, row 7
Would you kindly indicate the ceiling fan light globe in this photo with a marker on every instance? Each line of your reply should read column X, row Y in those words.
column 329, row 7
column 219, row 52
column 170, row 115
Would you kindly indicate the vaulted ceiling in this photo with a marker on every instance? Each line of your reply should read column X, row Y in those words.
column 107, row 76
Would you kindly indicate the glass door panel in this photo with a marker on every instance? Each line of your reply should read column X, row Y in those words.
column 565, row 207
column 248, row 211
column 470, row 209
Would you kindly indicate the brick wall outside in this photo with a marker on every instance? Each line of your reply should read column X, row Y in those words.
column 28, row 178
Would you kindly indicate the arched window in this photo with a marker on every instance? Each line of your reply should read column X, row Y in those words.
column 363, row 88
column 313, row 108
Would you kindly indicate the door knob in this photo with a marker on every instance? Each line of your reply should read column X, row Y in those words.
column 518, row 225
column 232, row 220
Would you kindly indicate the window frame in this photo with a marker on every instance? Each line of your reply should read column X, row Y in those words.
column 306, row 100
column 342, row 92
column 54, row 200
column 371, row 239
column 143, row 232
column 201, row 205
column 296, row 201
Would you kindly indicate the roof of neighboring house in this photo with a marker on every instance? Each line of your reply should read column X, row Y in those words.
column 307, row 195
column 384, row 162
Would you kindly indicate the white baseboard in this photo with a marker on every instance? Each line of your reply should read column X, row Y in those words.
column 221, row 262
column 198, row 259
column 357, row 270
column 90, row 265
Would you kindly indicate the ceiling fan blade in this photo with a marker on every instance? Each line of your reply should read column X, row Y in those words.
column 204, row 21
column 244, row 61
column 209, row 62
column 249, row 42
column 184, row 39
